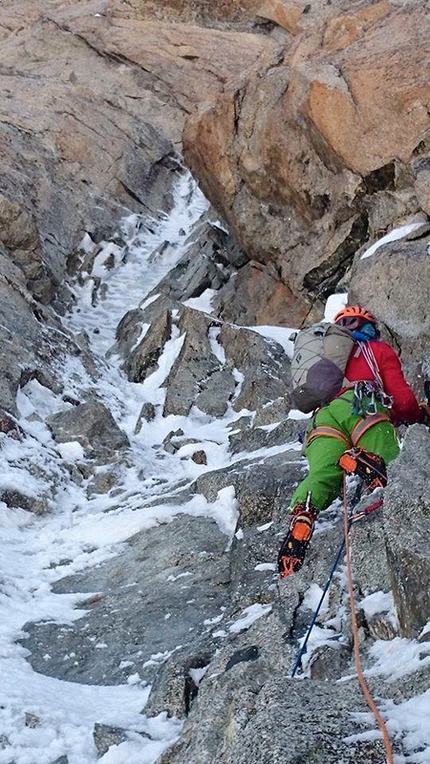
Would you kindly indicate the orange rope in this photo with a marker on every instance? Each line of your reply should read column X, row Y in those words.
column 366, row 692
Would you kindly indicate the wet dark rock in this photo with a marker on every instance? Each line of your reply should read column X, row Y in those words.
column 245, row 654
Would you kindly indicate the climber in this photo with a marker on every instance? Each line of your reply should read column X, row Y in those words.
column 355, row 432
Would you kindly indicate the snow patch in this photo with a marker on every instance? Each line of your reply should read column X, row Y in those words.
column 395, row 235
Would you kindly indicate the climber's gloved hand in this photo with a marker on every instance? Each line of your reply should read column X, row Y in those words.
column 425, row 413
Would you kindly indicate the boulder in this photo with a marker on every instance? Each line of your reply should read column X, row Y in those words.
column 262, row 362
column 92, row 425
column 142, row 359
column 195, row 363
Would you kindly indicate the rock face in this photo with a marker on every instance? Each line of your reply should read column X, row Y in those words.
column 31, row 336
column 307, row 126
column 295, row 157
column 407, row 542
column 218, row 365
column 199, row 11
column 188, row 584
column 404, row 312
column 93, row 115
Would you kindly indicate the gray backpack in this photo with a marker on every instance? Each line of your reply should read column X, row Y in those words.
column 318, row 365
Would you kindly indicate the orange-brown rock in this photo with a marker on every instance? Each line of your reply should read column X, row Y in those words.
column 320, row 151
column 348, row 27
column 179, row 63
column 91, row 114
column 380, row 87
column 258, row 296
column 285, row 14
column 193, row 11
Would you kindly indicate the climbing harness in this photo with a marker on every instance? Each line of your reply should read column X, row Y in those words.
column 350, row 440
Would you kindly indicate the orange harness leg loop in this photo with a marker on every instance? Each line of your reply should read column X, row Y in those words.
column 328, row 432
column 364, row 424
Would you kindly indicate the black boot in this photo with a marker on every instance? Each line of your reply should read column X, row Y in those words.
column 367, row 466
column 293, row 548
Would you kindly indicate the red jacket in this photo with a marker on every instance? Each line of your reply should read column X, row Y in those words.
column 405, row 405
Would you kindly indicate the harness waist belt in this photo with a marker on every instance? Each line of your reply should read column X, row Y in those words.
column 360, row 428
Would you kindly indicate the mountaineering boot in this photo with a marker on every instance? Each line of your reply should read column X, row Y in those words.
column 367, row 466
column 293, row 548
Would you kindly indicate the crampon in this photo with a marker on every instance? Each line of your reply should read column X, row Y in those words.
column 367, row 466
column 293, row 548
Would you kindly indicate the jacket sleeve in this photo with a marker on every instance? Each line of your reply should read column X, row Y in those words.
column 405, row 405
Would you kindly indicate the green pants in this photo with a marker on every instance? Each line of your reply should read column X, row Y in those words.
column 324, row 480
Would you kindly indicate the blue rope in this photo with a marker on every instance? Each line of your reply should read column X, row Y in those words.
column 302, row 650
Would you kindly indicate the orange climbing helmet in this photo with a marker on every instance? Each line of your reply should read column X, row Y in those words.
column 353, row 316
